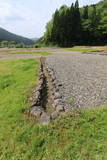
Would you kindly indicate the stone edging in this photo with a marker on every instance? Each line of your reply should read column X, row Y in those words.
column 46, row 76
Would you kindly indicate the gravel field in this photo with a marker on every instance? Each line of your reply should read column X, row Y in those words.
column 82, row 79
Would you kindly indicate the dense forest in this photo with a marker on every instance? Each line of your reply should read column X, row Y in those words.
column 78, row 26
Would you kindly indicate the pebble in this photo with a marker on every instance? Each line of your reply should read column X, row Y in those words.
column 60, row 108
column 55, row 115
column 35, row 111
column 45, row 118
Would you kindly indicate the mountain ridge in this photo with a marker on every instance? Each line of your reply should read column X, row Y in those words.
column 8, row 36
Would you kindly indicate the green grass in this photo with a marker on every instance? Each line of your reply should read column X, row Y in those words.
column 17, row 77
column 80, row 49
column 27, row 52
column 80, row 135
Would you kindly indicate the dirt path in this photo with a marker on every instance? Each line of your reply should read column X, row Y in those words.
column 4, row 53
column 19, row 56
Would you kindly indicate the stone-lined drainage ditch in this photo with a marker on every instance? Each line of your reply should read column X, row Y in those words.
column 47, row 102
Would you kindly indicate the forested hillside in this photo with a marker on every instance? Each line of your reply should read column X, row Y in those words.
column 7, row 36
column 78, row 26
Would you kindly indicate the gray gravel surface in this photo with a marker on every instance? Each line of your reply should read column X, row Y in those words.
column 82, row 79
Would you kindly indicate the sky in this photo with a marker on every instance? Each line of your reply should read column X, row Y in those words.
column 29, row 17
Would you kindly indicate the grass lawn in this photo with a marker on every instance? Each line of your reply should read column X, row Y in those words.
column 27, row 52
column 83, row 49
column 81, row 135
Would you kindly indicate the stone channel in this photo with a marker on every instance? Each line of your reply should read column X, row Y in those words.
column 47, row 102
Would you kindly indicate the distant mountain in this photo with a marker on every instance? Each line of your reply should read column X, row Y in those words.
column 8, row 36
column 35, row 39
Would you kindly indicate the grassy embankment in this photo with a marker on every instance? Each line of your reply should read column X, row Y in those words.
column 81, row 135
column 85, row 49
column 14, row 51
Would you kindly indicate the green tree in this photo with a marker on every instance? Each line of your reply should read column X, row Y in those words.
column 4, row 43
column 74, row 25
column 85, row 13
column 77, row 23
column 48, row 33
column 70, row 25
column 55, row 28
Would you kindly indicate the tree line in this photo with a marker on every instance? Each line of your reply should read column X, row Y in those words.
column 78, row 26
column 14, row 44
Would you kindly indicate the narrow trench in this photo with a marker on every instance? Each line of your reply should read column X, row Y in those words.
column 46, row 93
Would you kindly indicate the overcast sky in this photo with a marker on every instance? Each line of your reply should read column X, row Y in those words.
column 29, row 17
